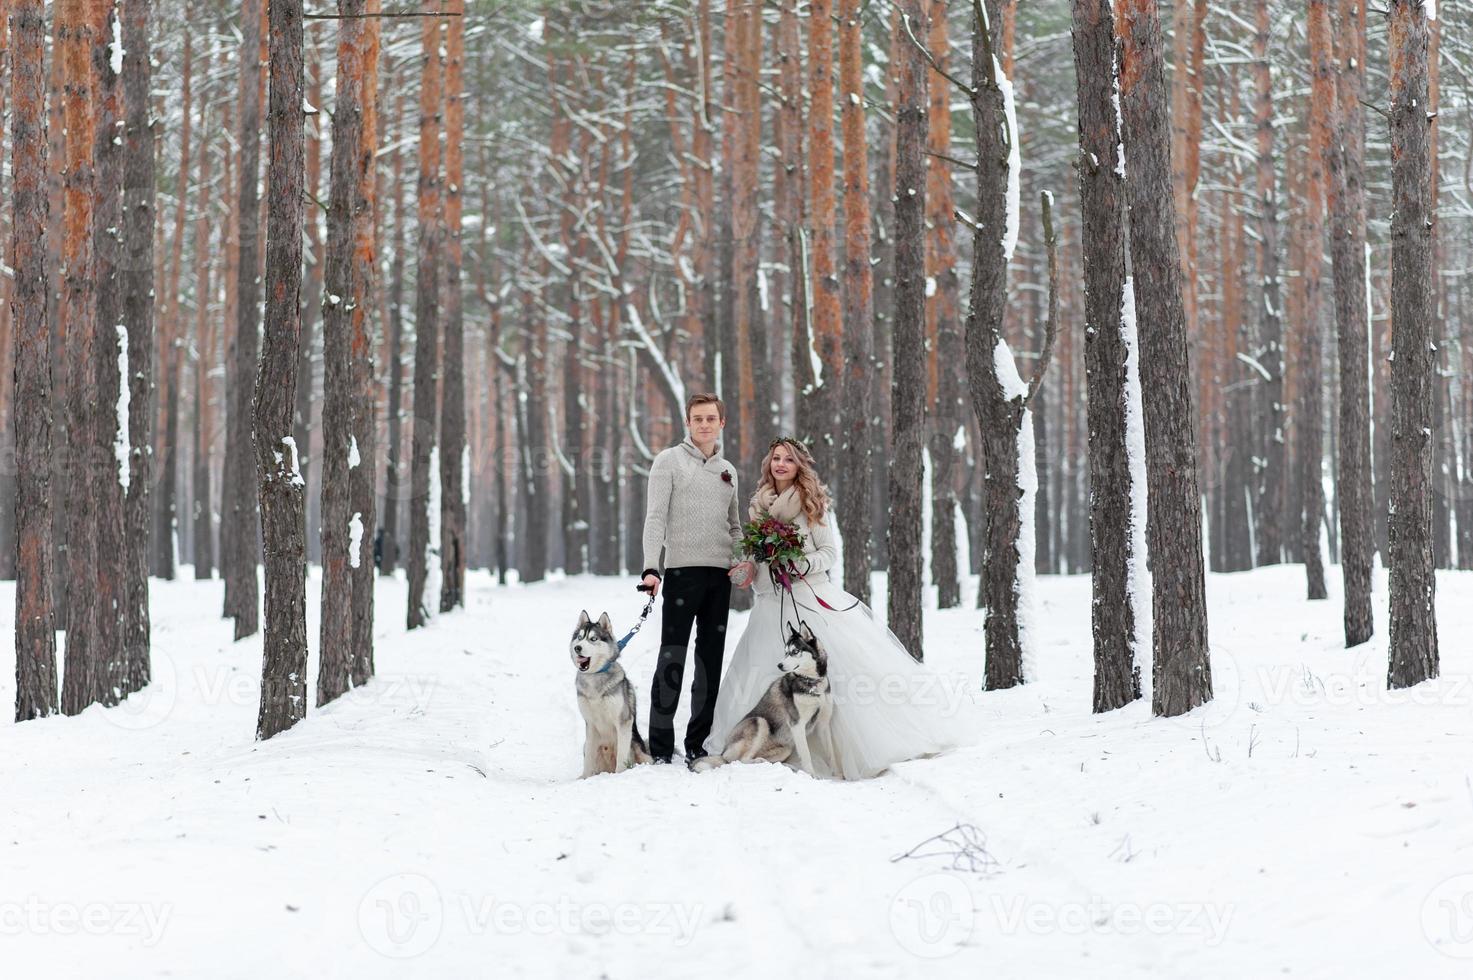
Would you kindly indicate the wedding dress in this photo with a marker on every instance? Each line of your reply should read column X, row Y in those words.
column 887, row 707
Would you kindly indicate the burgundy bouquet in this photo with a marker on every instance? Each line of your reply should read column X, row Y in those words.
column 776, row 544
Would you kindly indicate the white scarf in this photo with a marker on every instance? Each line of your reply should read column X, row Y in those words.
column 785, row 506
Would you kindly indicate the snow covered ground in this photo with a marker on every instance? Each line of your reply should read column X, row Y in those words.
column 1305, row 824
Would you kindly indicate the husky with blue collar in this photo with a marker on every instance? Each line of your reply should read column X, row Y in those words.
column 611, row 742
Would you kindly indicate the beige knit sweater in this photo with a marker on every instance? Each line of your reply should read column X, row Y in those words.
column 691, row 510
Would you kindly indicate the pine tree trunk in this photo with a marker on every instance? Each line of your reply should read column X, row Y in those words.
column 108, row 476
column 238, row 507
column 1181, row 672
column 136, row 284
column 83, row 681
column 1346, row 163
column 170, row 322
column 205, row 359
column 393, row 469
column 426, row 321
column 283, row 510
column 828, row 325
column 943, row 326
column 908, row 355
column 1102, row 198
column 1309, row 395
column 1272, row 488
column 452, row 395
column 858, row 434
column 1001, row 411
column 35, row 620
column 362, row 478
column 311, row 313
column 1413, row 621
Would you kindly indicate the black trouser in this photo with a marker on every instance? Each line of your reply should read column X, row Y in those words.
column 694, row 595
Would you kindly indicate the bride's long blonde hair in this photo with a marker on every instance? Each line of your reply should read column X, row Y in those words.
column 811, row 490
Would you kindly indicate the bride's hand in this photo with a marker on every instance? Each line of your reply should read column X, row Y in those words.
column 742, row 573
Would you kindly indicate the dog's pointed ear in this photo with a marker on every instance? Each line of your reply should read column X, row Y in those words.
column 605, row 624
column 808, row 636
column 583, row 619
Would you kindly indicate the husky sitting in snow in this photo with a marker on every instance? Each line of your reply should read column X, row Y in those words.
column 611, row 742
column 797, row 704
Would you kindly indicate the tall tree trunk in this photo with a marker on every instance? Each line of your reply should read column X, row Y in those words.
column 908, row 355
column 1106, row 351
column 136, row 284
column 999, row 395
column 1181, row 672
column 1309, row 386
column 84, row 681
column 109, row 473
column 828, row 326
column 394, row 479
column 453, row 453
column 363, row 478
column 943, row 326
column 1272, row 484
column 35, row 620
column 205, row 359
column 1413, row 629
column 283, row 504
column 241, row 520
column 342, row 530
column 858, row 434
column 426, row 321
column 1346, row 163
column 171, row 334
column 311, row 312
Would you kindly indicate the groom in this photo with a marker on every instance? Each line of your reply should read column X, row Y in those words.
column 692, row 514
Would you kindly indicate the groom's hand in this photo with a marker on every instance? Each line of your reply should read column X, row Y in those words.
column 652, row 585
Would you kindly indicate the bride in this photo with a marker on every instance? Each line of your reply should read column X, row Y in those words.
column 887, row 707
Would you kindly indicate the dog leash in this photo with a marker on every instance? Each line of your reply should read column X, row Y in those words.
column 644, row 615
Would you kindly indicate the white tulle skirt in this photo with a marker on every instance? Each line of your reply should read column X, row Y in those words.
column 887, row 707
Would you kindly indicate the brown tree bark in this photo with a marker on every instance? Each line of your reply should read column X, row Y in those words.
column 363, row 478
column 426, row 319
column 170, row 337
column 943, row 325
column 857, row 434
column 908, row 356
column 1413, row 621
column 1309, row 389
column 84, row 680
column 393, row 478
column 108, row 473
column 283, row 504
column 453, row 458
column 240, row 520
column 1102, row 198
column 136, row 284
column 828, row 325
column 1345, row 160
column 1181, row 672
column 35, row 620
column 206, row 356
column 1272, row 484
column 1000, row 404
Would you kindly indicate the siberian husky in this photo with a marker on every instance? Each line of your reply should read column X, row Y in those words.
column 796, row 705
column 611, row 741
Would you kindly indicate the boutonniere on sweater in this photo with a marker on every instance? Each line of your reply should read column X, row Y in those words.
column 726, row 476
